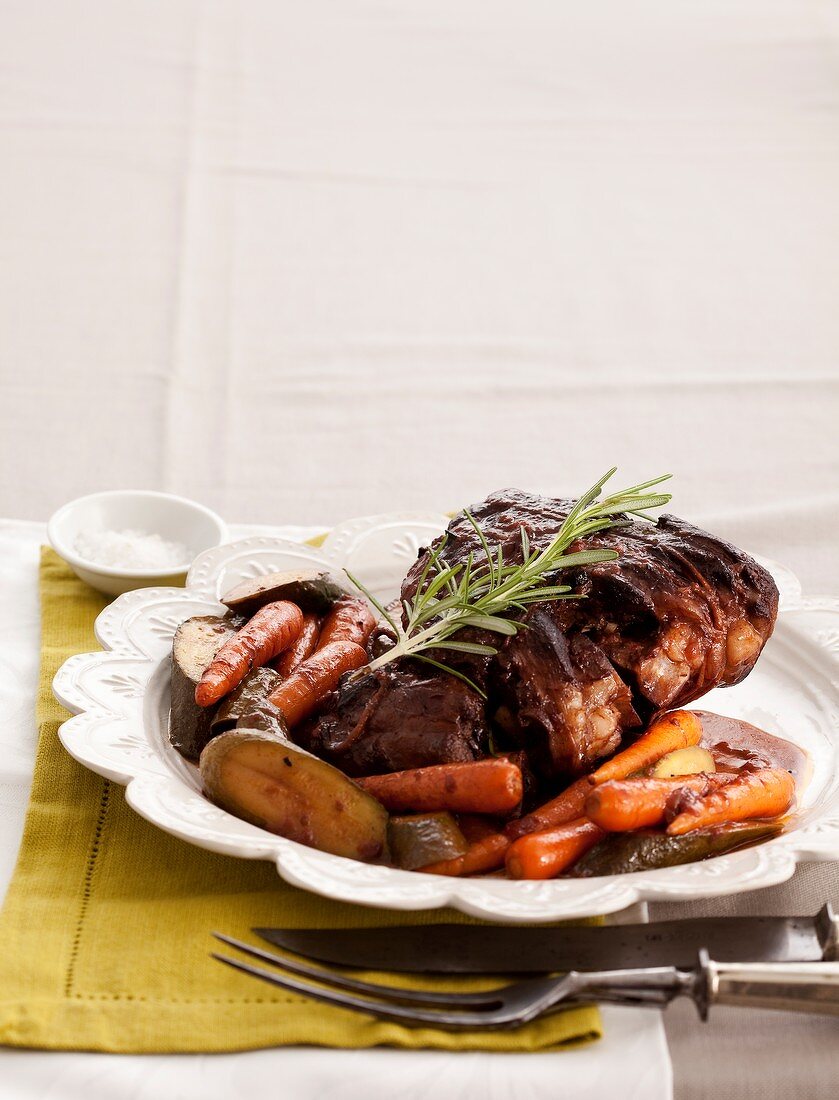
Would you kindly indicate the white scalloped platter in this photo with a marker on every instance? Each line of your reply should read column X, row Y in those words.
column 120, row 699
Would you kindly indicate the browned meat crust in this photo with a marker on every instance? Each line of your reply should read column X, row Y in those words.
column 400, row 718
column 677, row 613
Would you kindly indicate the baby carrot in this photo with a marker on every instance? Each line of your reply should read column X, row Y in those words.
column 672, row 731
column 567, row 806
column 350, row 620
column 303, row 689
column 677, row 730
column 547, row 854
column 271, row 630
column 479, row 787
column 766, row 792
column 620, row 805
column 486, row 854
column 304, row 646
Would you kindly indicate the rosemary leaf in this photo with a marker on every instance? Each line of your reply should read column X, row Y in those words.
column 385, row 614
column 467, row 647
column 451, row 672
column 482, row 594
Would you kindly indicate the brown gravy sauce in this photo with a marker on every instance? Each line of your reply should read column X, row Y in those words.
column 735, row 744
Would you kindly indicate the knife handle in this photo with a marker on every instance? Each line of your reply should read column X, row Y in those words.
column 788, row 986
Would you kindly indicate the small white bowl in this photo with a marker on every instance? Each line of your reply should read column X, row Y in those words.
column 173, row 518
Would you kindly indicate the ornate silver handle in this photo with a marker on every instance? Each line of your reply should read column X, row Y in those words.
column 788, row 986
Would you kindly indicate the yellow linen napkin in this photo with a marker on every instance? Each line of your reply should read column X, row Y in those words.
column 105, row 934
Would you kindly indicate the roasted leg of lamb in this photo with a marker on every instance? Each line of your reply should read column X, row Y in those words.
column 677, row 613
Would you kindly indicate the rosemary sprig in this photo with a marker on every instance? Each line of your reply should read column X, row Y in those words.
column 482, row 594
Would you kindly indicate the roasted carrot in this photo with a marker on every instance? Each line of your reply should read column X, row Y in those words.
column 677, row 730
column 766, row 792
column 620, row 805
column 672, row 731
column 547, row 854
column 567, row 806
column 482, row 856
column 304, row 646
column 479, row 787
column 300, row 693
column 271, row 630
column 350, row 620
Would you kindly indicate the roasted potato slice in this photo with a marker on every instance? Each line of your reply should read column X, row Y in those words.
column 268, row 781
column 311, row 590
column 195, row 644
column 689, row 761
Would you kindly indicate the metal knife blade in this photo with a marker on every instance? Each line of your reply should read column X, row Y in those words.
column 491, row 949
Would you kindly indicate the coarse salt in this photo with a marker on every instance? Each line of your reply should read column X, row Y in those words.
column 131, row 549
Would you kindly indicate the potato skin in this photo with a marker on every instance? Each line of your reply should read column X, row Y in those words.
column 272, row 783
column 311, row 591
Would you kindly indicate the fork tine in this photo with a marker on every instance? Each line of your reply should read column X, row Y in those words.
column 485, row 1001
column 403, row 1013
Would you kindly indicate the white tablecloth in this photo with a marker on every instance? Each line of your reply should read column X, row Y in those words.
column 632, row 1060
column 305, row 261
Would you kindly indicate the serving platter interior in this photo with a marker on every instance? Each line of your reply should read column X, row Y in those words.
column 120, row 696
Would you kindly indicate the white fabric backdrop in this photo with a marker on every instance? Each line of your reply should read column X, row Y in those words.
column 305, row 261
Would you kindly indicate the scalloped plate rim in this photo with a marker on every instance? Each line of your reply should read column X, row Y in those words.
column 152, row 783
